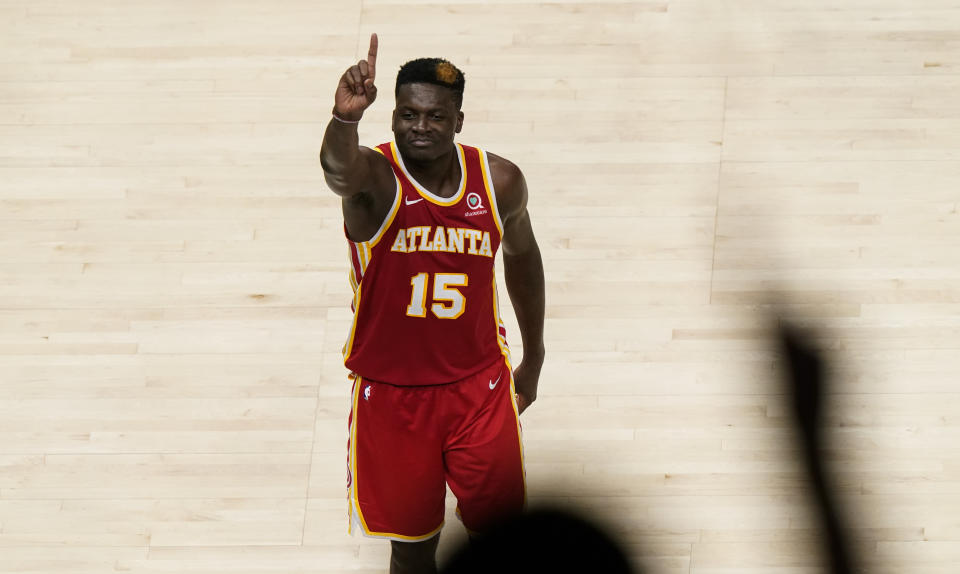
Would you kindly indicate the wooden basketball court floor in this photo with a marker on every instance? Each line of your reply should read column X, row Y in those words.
column 174, row 294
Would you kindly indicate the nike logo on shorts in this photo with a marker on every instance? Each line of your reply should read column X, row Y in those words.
column 493, row 384
column 408, row 202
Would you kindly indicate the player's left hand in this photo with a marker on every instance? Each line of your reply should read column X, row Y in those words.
column 525, row 379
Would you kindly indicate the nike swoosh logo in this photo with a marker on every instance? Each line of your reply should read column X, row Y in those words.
column 408, row 202
column 493, row 384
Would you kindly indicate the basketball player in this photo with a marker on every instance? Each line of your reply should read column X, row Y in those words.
column 435, row 398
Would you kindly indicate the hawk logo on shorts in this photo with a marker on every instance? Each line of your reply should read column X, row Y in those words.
column 366, row 392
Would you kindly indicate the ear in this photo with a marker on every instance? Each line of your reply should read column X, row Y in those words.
column 393, row 120
column 459, row 122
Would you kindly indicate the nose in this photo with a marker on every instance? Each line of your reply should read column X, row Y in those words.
column 420, row 125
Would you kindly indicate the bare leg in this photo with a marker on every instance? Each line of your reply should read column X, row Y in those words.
column 414, row 557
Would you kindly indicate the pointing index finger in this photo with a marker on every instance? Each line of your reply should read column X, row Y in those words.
column 372, row 55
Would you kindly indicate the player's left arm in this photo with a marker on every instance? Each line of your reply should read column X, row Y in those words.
column 523, row 274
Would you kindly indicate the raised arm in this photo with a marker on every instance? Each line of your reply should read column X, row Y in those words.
column 348, row 168
column 523, row 274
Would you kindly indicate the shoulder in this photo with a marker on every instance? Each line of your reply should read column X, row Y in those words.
column 366, row 209
column 509, row 185
column 378, row 182
column 383, row 179
column 378, row 154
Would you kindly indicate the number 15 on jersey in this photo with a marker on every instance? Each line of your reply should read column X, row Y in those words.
column 448, row 301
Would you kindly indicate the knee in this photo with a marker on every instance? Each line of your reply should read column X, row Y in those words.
column 414, row 557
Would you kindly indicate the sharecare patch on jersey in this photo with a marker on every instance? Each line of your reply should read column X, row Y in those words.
column 447, row 239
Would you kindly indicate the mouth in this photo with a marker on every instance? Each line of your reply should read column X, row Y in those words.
column 420, row 142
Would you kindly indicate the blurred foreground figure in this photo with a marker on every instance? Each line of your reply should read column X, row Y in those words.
column 555, row 541
column 544, row 540
column 807, row 383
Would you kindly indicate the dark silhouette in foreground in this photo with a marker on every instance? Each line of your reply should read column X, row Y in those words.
column 807, row 382
column 559, row 541
column 544, row 540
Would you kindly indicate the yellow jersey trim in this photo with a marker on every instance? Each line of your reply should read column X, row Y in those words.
column 491, row 192
column 424, row 192
column 393, row 536
column 351, row 493
column 516, row 411
column 348, row 346
column 372, row 242
column 497, row 321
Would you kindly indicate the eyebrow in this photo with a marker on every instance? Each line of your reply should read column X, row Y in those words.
column 427, row 110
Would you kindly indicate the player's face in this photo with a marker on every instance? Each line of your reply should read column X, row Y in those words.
column 425, row 121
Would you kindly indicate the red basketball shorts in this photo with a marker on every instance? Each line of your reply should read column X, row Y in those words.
column 406, row 443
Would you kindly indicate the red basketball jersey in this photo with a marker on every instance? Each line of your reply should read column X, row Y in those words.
column 424, row 291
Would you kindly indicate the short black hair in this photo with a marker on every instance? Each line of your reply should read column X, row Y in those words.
column 435, row 71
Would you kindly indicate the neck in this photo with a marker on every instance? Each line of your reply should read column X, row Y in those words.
column 440, row 175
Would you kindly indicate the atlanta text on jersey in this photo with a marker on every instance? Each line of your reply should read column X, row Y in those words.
column 448, row 239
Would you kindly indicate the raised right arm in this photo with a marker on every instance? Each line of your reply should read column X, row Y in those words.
column 348, row 168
